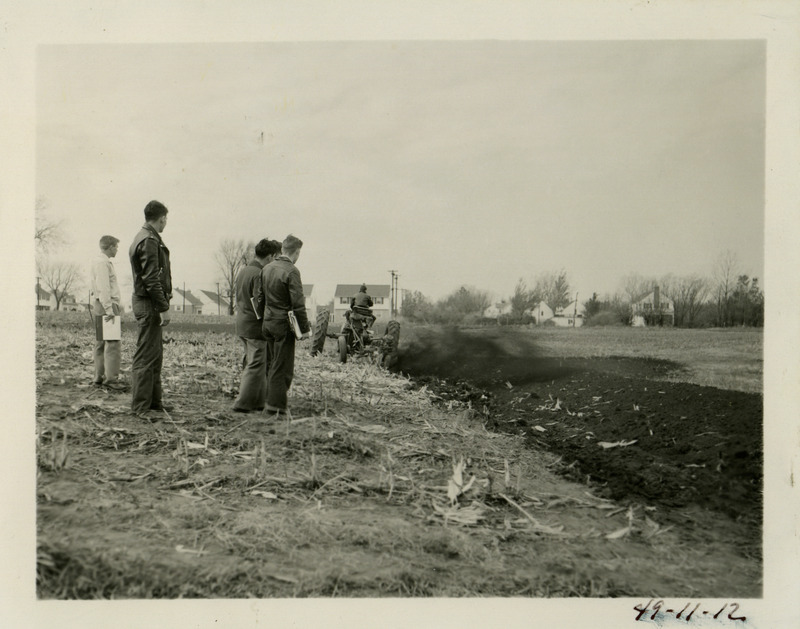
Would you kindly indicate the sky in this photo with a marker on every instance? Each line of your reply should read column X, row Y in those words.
column 452, row 162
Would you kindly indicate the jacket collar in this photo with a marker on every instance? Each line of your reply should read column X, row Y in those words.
column 148, row 227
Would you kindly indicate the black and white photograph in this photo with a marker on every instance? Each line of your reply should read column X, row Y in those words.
column 465, row 313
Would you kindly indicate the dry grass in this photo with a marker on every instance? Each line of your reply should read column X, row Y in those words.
column 726, row 358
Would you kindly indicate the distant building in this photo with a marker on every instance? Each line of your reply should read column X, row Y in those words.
column 569, row 316
column 211, row 303
column 70, row 304
column 380, row 293
column 653, row 309
column 186, row 303
column 495, row 311
column 44, row 299
column 540, row 313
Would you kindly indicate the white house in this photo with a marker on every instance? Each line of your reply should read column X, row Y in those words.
column 211, row 303
column 540, row 313
column 653, row 309
column 381, row 297
column 496, row 310
column 45, row 300
column 569, row 316
column 187, row 303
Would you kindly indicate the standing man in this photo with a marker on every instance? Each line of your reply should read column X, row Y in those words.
column 152, row 291
column 253, row 386
column 105, row 306
column 282, row 292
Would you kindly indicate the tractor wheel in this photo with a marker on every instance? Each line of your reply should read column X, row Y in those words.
column 320, row 330
column 391, row 341
column 342, row 348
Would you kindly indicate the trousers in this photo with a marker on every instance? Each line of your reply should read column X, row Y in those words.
column 253, row 386
column 107, row 354
column 280, row 356
column 107, row 358
column 148, row 357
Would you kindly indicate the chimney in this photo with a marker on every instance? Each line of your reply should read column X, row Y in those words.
column 657, row 298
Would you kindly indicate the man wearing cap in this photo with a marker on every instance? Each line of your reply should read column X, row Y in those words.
column 105, row 306
column 152, row 291
column 253, row 387
column 361, row 303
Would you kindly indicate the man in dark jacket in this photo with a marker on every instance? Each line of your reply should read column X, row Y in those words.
column 282, row 291
column 152, row 291
column 361, row 303
column 253, row 386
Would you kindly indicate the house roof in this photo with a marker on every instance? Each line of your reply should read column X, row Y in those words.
column 43, row 294
column 374, row 290
column 194, row 301
column 571, row 309
column 214, row 298
column 651, row 296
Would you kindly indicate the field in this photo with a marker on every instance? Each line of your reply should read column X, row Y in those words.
column 504, row 463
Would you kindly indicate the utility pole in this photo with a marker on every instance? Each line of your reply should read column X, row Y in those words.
column 218, row 312
column 184, row 298
column 38, row 290
column 575, row 312
column 393, row 293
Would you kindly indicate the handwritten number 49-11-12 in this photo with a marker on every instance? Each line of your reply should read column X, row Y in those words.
column 686, row 613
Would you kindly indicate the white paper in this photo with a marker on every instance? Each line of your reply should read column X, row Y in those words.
column 112, row 330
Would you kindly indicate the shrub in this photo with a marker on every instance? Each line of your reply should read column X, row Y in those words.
column 606, row 317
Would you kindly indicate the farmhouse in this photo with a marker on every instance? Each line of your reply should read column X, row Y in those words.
column 540, row 313
column 211, row 303
column 569, row 316
column 44, row 299
column 380, row 294
column 186, row 303
column 653, row 309
column 497, row 310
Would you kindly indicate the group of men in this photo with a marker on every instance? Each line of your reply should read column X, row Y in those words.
column 267, row 290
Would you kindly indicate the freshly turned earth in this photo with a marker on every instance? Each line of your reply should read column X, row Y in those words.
column 695, row 449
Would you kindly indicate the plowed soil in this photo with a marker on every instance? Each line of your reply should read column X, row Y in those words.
column 623, row 425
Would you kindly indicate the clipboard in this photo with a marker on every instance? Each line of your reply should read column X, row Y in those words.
column 295, row 326
column 108, row 330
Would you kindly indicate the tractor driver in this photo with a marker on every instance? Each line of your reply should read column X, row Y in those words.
column 361, row 303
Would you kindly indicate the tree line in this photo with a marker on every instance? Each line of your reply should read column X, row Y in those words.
column 728, row 297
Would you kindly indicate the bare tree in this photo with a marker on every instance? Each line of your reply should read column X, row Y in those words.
column 688, row 295
column 231, row 256
column 48, row 233
column 635, row 286
column 725, row 275
column 59, row 278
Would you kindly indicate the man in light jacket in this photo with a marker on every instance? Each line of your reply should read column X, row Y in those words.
column 106, row 304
